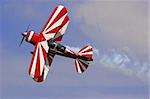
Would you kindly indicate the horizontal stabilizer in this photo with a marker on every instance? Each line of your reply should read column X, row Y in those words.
column 84, row 59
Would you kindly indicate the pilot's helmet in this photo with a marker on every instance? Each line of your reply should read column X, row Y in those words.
column 52, row 45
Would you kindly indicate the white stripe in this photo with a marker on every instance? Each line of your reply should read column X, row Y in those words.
column 42, row 61
column 45, row 45
column 83, row 67
column 56, row 24
column 68, row 50
column 46, row 69
column 34, row 63
column 49, row 36
column 79, row 70
column 88, row 47
column 50, row 57
column 62, row 31
column 87, row 53
column 30, row 35
column 53, row 17
column 84, row 61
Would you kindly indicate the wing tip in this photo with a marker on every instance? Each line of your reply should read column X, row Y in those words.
column 60, row 5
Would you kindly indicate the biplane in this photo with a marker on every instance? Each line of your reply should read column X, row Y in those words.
column 47, row 45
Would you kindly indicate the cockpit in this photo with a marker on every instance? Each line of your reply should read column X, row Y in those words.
column 53, row 45
column 57, row 47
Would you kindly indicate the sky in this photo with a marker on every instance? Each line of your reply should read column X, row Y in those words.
column 117, row 30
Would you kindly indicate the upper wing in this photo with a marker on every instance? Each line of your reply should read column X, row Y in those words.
column 61, row 32
column 57, row 20
column 37, row 66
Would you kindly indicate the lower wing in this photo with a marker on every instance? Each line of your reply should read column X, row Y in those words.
column 40, row 62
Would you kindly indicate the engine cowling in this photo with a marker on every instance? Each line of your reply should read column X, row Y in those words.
column 32, row 37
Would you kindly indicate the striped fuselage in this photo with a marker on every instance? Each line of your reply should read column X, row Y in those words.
column 55, row 48
column 59, row 49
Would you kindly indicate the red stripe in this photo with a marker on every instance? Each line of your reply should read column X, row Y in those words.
column 58, row 38
column 85, row 65
column 83, row 48
column 37, row 70
column 88, row 55
column 58, row 28
column 49, row 60
column 82, row 70
column 40, row 79
column 49, row 18
column 28, row 33
column 65, row 21
column 71, row 51
column 76, row 65
column 61, row 13
column 44, row 52
column 32, row 59
column 49, row 32
column 41, row 38
column 89, row 50
column 55, row 30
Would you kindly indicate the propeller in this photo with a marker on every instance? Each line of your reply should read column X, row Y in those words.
column 24, row 35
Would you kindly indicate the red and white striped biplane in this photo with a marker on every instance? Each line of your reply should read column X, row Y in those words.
column 47, row 45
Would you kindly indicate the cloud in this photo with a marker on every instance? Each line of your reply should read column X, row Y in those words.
column 120, row 60
column 124, row 62
column 116, row 24
column 120, row 32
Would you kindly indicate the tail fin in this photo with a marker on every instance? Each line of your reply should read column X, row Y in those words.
column 84, row 58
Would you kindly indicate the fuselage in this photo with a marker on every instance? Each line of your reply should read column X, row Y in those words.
column 54, row 48
column 61, row 50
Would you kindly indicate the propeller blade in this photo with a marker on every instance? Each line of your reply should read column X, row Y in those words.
column 21, row 41
column 24, row 35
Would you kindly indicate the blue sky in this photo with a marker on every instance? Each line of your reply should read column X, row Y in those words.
column 117, row 29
